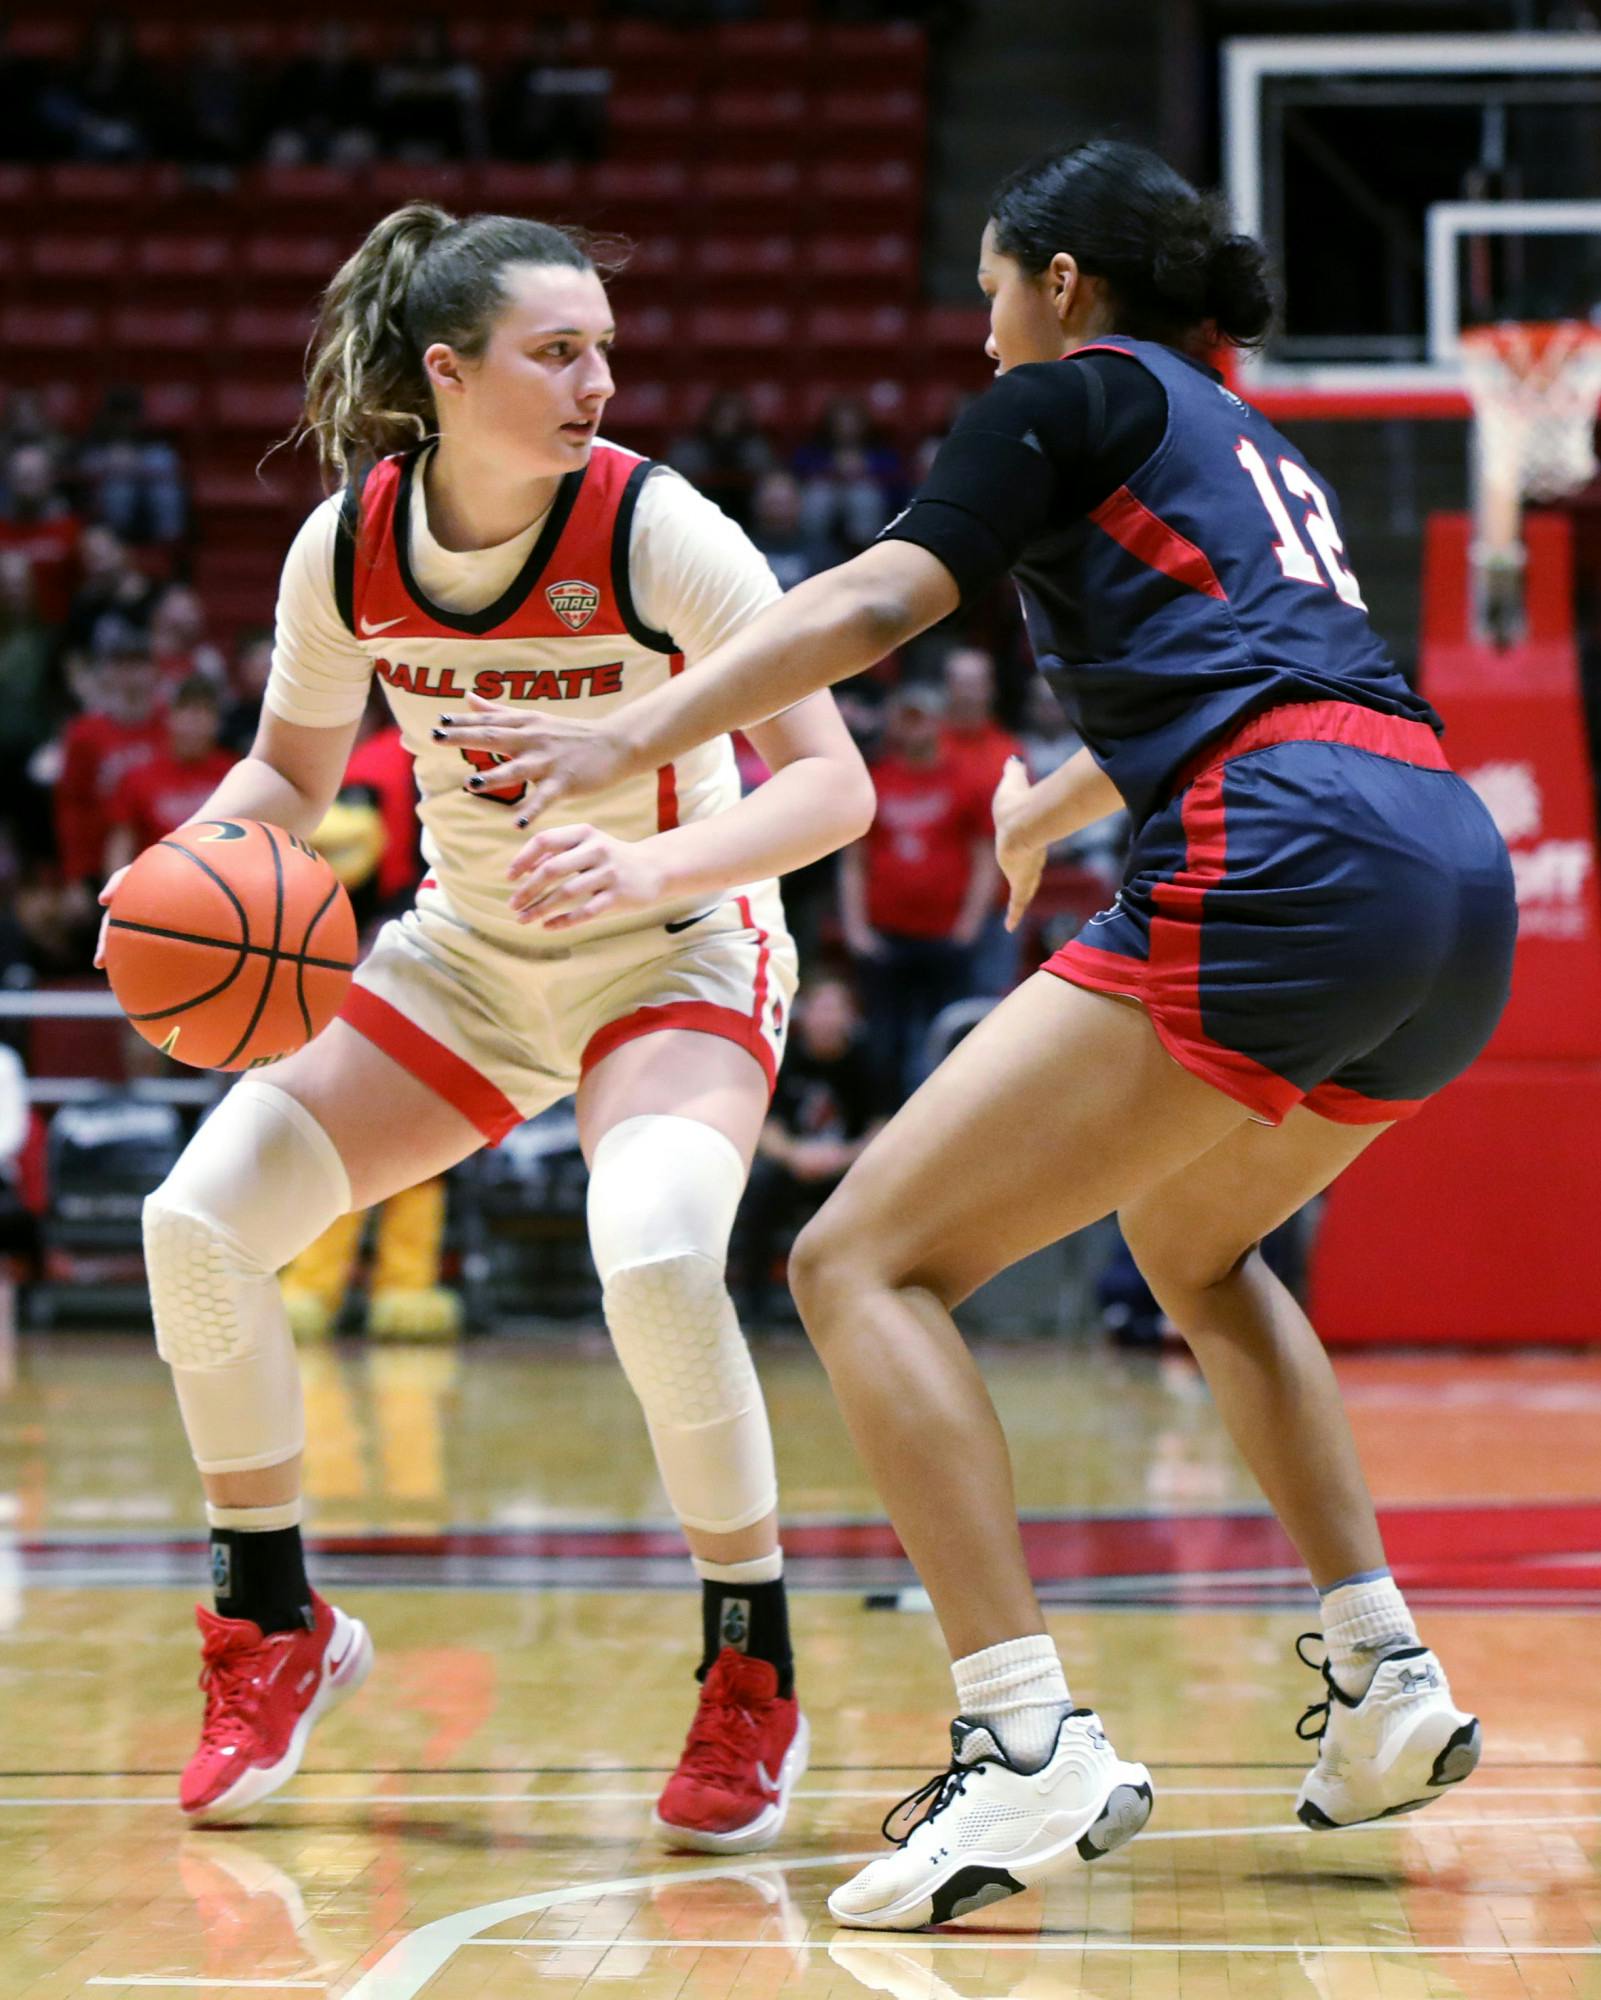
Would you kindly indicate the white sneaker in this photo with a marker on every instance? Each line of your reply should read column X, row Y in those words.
column 1394, row 1751
column 991, row 1831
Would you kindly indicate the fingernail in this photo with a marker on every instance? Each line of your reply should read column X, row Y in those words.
column 447, row 718
column 523, row 821
column 437, row 734
column 475, row 784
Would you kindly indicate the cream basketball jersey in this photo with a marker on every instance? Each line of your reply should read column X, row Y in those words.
column 568, row 627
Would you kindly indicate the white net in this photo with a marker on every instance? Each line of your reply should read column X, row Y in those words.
column 1535, row 387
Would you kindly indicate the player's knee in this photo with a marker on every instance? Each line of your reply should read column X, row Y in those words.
column 1174, row 1262
column 194, row 1270
column 828, row 1259
column 676, row 1334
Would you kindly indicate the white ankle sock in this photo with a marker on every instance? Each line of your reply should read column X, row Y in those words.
column 1019, row 1692
column 1364, row 1620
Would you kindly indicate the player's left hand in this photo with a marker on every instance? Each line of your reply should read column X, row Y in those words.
column 556, row 757
column 570, row 875
column 1022, row 860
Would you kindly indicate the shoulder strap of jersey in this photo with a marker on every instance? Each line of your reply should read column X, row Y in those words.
column 621, row 569
column 345, row 537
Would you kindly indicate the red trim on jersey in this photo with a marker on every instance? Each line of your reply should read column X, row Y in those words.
column 1150, row 540
column 1350, row 1107
column 762, row 956
column 667, row 775
column 445, row 1073
column 1395, row 736
column 582, row 555
column 703, row 1017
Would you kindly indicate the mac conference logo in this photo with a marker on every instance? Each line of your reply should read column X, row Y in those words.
column 574, row 602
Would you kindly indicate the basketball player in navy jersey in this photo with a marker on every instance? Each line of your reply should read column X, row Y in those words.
column 1313, row 935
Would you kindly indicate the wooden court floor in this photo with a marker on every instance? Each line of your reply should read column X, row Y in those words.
column 475, row 1825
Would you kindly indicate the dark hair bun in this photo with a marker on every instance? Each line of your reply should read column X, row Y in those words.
column 1239, row 291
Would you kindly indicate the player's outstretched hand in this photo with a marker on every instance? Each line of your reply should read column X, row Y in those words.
column 554, row 756
column 1022, row 860
column 105, row 896
column 570, row 875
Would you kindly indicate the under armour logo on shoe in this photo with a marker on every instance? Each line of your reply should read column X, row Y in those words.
column 1411, row 1679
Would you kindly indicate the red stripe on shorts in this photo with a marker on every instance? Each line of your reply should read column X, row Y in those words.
column 445, row 1073
column 762, row 956
column 702, row 1017
column 666, row 775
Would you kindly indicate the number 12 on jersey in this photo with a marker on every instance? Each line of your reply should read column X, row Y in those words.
column 1295, row 558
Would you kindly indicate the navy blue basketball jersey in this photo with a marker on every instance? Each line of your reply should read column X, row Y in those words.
column 1211, row 585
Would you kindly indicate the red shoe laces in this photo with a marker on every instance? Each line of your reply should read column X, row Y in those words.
column 231, row 1682
column 722, row 1740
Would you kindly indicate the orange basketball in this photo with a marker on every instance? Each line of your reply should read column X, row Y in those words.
column 230, row 943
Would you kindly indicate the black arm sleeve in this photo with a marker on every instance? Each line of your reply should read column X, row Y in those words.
column 1048, row 442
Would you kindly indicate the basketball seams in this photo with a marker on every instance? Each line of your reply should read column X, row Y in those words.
column 206, row 868
column 243, row 1042
column 251, row 950
column 302, row 959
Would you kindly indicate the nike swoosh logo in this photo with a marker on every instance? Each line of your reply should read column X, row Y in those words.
column 335, row 1665
column 770, row 1785
column 370, row 630
column 684, row 923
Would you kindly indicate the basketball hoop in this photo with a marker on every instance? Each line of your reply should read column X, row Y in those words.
column 1535, row 387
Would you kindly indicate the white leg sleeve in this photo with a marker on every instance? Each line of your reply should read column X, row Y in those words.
column 259, row 1181
column 662, row 1197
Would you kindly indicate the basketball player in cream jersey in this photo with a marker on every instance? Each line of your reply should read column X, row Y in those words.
column 487, row 552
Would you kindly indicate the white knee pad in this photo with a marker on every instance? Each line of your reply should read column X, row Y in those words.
column 662, row 1196
column 257, row 1183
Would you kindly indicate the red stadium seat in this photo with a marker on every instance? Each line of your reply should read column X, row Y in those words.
column 866, row 270
column 637, row 196
column 893, row 54
column 19, row 189
column 884, row 399
column 757, row 55
column 652, row 331
column 641, row 52
column 271, row 408
column 65, row 404
column 721, row 329
column 97, row 261
column 172, row 407
column 313, row 258
column 278, row 331
column 395, row 182
column 753, row 194
column 546, row 193
column 773, row 116
column 185, row 257
column 640, row 416
column 652, row 123
column 860, row 194
column 162, row 329
column 870, row 124
column 81, row 195
column 283, row 196
column 954, row 330
column 728, row 268
column 71, row 332
column 869, row 331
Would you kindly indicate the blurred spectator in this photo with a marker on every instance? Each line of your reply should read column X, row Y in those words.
column 165, row 790
column 106, row 106
column 134, row 479
column 917, row 888
column 322, row 107
column 1048, row 740
column 428, row 101
column 828, row 1104
column 980, row 746
column 120, row 731
column 39, row 522
column 776, row 527
column 25, row 422
column 178, row 642
column 553, row 106
column 219, row 111
column 851, row 479
column 251, row 668
column 111, row 584
column 724, row 455
column 31, row 703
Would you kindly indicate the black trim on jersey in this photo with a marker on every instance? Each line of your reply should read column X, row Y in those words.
column 345, row 538
column 621, row 580
column 511, row 599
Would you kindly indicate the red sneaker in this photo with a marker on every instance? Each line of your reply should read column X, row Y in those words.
column 744, row 1755
column 262, row 1696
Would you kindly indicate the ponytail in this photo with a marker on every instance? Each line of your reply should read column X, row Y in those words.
column 1165, row 250
column 421, row 276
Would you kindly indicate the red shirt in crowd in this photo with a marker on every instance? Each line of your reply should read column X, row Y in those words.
column 919, row 852
column 163, row 792
column 97, row 754
column 383, row 763
column 982, row 755
column 51, row 546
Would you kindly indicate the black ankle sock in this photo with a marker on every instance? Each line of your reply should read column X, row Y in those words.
column 261, row 1577
column 752, row 1618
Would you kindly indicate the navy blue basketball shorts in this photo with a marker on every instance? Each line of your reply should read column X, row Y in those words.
column 1322, row 915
